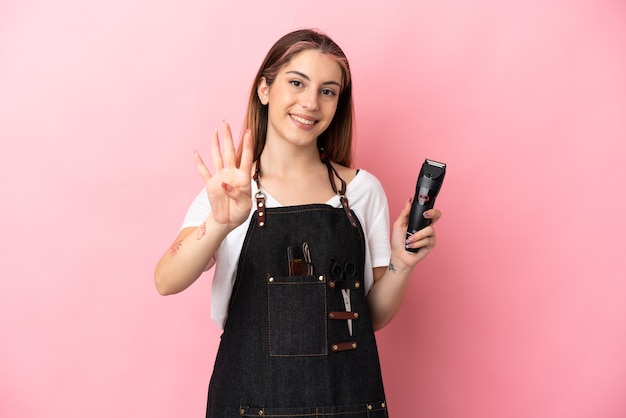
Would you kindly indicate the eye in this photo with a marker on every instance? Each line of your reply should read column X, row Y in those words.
column 328, row 92
column 296, row 83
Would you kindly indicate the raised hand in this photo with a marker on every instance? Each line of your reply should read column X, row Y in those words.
column 228, row 188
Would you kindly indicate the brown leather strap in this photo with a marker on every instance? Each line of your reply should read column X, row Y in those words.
column 344, row 284
column 350, row 345
column 343, row 315
column 260, row 204
column 342, row 191
column 259, row 195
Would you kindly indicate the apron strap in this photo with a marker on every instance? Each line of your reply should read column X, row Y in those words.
column 342, row 191
column 260, row 196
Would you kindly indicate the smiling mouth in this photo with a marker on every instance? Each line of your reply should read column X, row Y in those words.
column 302, row 120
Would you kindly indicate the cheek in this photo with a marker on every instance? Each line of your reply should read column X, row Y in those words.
column 282, row 98
column 331, row 110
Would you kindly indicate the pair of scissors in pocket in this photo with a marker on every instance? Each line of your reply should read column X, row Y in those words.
column 345, row 272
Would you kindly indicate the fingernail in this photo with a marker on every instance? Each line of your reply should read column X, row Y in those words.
column 426, row 214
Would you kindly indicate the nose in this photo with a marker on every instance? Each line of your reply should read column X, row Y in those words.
column 309, row 99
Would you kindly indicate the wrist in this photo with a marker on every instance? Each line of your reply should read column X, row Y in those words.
column 398, row 266
column 213, row 228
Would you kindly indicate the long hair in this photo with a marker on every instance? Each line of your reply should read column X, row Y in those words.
column 336, row 140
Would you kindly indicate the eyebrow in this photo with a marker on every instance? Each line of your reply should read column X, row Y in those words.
column 306, row 77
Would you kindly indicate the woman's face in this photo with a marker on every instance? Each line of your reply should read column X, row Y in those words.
column 303, row 98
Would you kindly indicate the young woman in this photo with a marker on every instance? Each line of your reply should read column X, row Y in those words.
column 304, row 273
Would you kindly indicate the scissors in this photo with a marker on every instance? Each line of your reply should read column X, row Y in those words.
column 348, row 272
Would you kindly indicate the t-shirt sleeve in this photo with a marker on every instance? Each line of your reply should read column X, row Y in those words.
column 378, row 234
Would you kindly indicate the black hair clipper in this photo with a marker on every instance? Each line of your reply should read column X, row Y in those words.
column 426, row 190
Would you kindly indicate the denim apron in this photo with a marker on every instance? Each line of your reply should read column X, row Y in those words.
column 290, row 348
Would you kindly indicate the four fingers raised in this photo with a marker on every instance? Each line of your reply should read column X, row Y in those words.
column 223, row 152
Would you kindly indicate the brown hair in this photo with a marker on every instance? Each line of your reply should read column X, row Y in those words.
column 336, row 140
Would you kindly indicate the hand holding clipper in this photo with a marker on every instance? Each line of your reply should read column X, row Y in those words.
column 428, row 185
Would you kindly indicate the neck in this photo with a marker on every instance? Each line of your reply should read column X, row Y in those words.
column 289, row 162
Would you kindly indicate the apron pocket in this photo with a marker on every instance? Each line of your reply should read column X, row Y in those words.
column 296, row 309
column 367, row 410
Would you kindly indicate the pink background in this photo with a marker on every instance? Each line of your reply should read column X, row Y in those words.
column 520, row 312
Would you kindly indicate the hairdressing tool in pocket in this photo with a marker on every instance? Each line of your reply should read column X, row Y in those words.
column 299, row 258
column 426, row 190
column 345, row 272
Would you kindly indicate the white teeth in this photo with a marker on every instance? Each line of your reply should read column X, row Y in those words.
column 302, row 120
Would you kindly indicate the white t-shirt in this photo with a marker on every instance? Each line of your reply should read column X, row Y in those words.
column 366, row 198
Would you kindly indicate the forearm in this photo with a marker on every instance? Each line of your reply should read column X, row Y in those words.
column 387, row 293
column 189, row 255
column 385, row 297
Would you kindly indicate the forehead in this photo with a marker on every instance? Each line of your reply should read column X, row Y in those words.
column 315, row 65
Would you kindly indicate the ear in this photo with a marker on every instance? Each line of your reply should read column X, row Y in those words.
column 263, row 90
